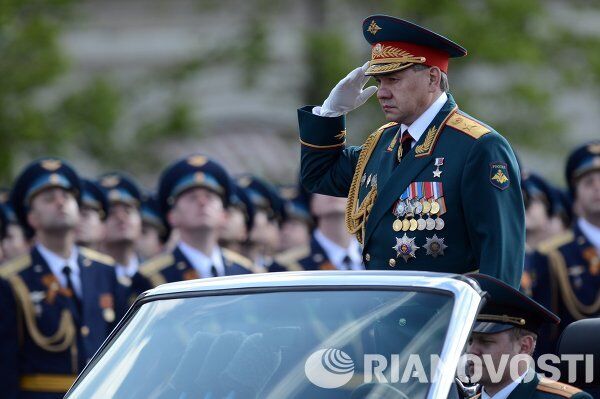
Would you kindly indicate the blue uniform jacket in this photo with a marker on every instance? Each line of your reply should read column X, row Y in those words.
column 478, row 190
column 308, row 257
column 46, row 340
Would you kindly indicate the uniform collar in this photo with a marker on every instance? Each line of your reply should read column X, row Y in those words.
column 56, row 263
column 201, row 262
column 336, row 253
column 504, row 392
column 417, row 128
column 129, row 269
column 591, row 232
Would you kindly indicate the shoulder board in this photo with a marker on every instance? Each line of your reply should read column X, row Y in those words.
column 156, row 264
column 387, row 125
column 290, row 259
column 557, row 388
column 555, row 242
column 15, row 266
column 96, row 256
column 467, row 125
column 241, row 260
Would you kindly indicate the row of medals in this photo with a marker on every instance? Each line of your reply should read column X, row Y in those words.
column 407, row 209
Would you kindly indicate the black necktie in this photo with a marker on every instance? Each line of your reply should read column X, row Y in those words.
column 213, row 271
column 67, row 272
column 347, row 262
column 405, row 145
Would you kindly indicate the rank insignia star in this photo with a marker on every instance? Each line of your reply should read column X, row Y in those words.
column 435, row 246
column 405, row 247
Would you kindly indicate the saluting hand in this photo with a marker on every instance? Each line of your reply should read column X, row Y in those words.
column 348, row 94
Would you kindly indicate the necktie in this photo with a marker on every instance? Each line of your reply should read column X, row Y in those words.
column 347, row 262
column 405, row 145
column 67, row 272
column 213, row 271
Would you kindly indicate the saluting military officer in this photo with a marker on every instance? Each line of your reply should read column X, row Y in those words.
column 434, row 189
column 565, row 270
column 62, row 304
column 193, row 195
column 508, row 326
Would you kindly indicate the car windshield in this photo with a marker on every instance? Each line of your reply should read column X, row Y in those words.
column 284, row 344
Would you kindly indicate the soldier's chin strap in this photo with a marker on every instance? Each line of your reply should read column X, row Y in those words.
column 467, row 390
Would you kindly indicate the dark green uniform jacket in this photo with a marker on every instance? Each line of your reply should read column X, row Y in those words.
column 394, row 207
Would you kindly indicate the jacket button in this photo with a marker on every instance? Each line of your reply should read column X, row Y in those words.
column 392, row 262
column 85, row 331
column 367, row 257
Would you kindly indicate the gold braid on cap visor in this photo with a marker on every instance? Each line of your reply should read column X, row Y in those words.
column 501, row 319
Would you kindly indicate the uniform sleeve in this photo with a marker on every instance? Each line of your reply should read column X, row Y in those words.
column 493, row 208
column 9, row 343
column 326, row 165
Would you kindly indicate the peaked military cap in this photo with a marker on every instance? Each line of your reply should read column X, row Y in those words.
column 397, row 44
column 120, row 187
column 93, row 196
column 196, row 170
column 296, row 203
column 241, row 200
column 263, row 195
column 506, row 308
column 151, row 215
column 582, row 160
column 535, row 186
column 38, row 176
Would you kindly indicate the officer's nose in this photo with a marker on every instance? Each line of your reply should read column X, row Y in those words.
column 383, row 92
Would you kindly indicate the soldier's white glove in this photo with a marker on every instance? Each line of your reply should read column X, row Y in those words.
column 348, row 94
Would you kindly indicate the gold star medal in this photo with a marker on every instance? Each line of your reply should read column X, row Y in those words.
column 405, row 247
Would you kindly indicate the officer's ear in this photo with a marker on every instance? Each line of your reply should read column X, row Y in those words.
column 435, row 77
column 172, row 218
column 527, row 343
column 33, row 219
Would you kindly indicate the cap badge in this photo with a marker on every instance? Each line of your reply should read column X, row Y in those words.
column 51, row 164
column 199, row 177
column 197, row 160
column 110, row 181
column 594, row 148
column 54, row 178
column 373, row 27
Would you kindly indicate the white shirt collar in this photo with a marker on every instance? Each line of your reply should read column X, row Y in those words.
column 504, row 392
column 591, row 232
column 128, row 270
column 417, row 128
column 56, row 263
column 336, row 253
column 201, row 262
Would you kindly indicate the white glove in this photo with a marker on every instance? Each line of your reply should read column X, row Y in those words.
column 347, row 95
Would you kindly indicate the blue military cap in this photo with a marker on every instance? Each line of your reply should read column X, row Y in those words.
column 36, row 177
column 534, row 186
column 582, row 160
column 241, row 200
column 263, row 195
column 296, row 203
column 93, row 196
column 397, row 44
column 120, row 187
column 506, row 308
column 152, row 215
column 193, row 171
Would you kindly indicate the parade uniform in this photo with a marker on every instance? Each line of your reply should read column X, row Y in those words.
column 54, row 315
column 564, row 272
column 186, row 262
column 506, row 308
column 450, row 202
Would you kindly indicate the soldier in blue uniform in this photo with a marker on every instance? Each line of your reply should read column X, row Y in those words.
column 565, row 270
column 240, row 221
column 93, row 211
column 298, row 222
column 434, row 189
column 60, row 304
column 155, row 231
column 12, row 236
column 193, row 195
column 509, row 324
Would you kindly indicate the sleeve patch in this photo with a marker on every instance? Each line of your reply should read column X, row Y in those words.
column 499, row 175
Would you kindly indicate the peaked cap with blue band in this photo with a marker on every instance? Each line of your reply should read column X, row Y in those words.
column 152, row 215
column 191, row 172
column 296, row 203
column 507, row 307
column 535, row 186
column 120, row 187
column 241, row 200
column 397, row 44
column 582, row 160
column 93, row 196
column 263, row 195
column 38, row 176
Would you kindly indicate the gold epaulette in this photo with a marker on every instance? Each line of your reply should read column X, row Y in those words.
column 467, row 125
column 555, row 242
column 289, row 259
column 557, row 388
column 15, row 265
column 241, row 260
column 97, row 256
column 156, row 264
column 387, row 125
